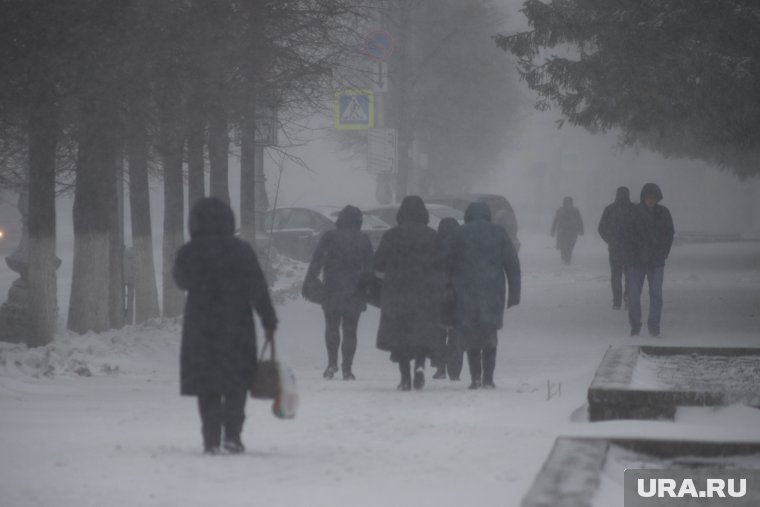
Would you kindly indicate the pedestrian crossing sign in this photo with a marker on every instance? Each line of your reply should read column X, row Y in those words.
column 354, row 110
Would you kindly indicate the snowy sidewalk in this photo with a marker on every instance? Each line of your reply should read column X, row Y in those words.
column 126, row 438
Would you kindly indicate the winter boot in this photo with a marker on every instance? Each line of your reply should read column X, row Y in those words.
column 211, row 450
column 419, row 378
column 347, row 374
column 440, row 372
column 406, row 376
column 635, row 330
column 476, row 369
column 233, row 445
column 330, row 372
column 489, row 365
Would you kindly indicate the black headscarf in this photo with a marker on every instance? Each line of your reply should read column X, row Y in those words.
column 412, row 209
column 623, row 195
column 651, row 189
column 446, row 226
column 211, row 217
column 477, row 211
column 349, row 217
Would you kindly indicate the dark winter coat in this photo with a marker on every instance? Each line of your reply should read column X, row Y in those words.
column 481, row 254
column 648, row 233
column 612, row 222
column 409, row 257
column 224, row 282
column 445, row 292
column 567, row 224
column 345, row 256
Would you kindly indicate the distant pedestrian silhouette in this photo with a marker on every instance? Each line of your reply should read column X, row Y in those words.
column 567, row 226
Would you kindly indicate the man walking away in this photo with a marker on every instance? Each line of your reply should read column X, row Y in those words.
column 611, row 231
column 648, row 237
column 481, row 254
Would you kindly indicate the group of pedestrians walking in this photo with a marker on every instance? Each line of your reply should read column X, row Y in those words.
column 443, row 292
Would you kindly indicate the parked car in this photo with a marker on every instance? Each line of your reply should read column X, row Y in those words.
column 495, row 202
column 438, row 212
column 295, row 231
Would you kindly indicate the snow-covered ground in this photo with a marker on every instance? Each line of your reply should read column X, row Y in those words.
column 96, row 420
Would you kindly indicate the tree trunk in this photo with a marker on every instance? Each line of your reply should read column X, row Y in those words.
column 116, row 246
column 172, row 143
column 248, row 180
column 93, row 196
column 43, row 136
column 195, row 162
column 218, row 152
column 144, row 271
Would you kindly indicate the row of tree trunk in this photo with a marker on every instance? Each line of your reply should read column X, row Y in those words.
column 97, row 291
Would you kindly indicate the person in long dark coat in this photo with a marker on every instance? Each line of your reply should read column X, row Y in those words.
column 648, row 238
column 345, row 256
column 224, row 283
column 409, row 258
column 449, row 354
column 567, row 226
column 611, row 231
column 481, row 255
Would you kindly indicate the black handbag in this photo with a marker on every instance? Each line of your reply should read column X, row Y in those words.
column 313, row 290
column 266, row 384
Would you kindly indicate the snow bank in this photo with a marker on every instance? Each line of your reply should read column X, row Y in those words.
column 132, row 348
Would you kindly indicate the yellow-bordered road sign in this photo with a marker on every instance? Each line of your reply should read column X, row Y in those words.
column 354, row 109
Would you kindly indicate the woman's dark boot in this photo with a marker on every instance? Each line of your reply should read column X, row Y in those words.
column 489, row 365
column 406, row 376
column 476, row 369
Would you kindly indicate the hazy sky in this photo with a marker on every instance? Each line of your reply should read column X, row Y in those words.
column 543, row 165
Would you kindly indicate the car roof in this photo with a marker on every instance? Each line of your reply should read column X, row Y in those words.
column 328, row 211
column 397, row 205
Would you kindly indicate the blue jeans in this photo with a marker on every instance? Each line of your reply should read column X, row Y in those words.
column 636, row 276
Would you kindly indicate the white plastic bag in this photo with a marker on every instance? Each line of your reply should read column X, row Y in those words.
column 285, row 404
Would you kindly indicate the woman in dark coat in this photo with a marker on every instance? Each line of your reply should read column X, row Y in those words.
column 448, row 355
column 481, row 254
column 567, row 225
column 345, row 256
column 409, row 258
column 224, row 282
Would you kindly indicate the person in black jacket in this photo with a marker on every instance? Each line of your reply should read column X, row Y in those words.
column 224, row 283
column 409, row 259
column 611, row 231
column 448, row 355
column 345, row 256
column 648, row 238
column 481, row 254
column 567, row 226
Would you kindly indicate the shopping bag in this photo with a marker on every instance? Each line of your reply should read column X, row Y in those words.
column 266, row 384
column 285, row 404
